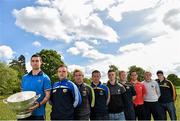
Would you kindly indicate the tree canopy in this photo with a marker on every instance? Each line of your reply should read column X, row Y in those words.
column 115, row 68
column 9, row 81
column 19, row 65
column 51, row 61
column 140, row 71
column 174, row 79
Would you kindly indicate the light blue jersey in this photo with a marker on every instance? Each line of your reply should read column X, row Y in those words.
column 38, row 83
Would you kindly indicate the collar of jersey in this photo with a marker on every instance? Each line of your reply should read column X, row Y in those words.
column 39, row 74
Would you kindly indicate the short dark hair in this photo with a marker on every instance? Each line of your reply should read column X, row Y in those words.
column 36, row 55
column 62, row 65
column 159, row 72
column 133, row 72
column 95, row 71
column 120, row 72
column 111, row 70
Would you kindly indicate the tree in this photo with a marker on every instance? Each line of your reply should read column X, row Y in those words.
column 21, row 60
column 140, row 71
column 9, row 81
column 174, row 79
column 113, row 67
column 87, row 81
column 19, row 66
column 51, row 61
column 70, row 76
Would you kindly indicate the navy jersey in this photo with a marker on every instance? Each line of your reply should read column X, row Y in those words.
column 128, row 101
column 168, row 92
column 102, row 96
column 88, row 100
column 128, row 95
column 65, row 96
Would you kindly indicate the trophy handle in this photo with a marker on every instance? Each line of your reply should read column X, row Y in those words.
column 5, row 101
column 37, row 96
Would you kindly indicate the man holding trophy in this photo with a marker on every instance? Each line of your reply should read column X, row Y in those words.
column 39, row 82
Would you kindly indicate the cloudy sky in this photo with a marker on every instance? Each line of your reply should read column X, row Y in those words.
column 93, row 34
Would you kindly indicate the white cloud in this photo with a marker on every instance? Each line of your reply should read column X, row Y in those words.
column 161, row 53
column 73, row 50
column 172, row 18
column 59, row 20
column 64, row 20
column 71, row 68
column 36, row 44
column 162, row 19
column 42, row 21
column 43, row 2
column 6, row 52
column 116, row 11
column 28, row 66
column 83, row 46
column 95, row 42
column 62, row 57
column 102, row 4
column 131, row 47
column 87, row 51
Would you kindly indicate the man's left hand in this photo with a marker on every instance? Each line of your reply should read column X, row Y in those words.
column 31, row 109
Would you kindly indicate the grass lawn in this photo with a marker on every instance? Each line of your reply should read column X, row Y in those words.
column 178, row 90
column 6, row 114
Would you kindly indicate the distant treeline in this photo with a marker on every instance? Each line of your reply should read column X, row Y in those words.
column 11, row 73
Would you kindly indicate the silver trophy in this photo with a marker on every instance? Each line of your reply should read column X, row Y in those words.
column 20, row 103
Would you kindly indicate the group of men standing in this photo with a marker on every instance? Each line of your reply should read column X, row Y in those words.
column 115, row 100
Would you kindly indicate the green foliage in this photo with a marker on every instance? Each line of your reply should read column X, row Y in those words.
column 19, row 66
column 9, row 81
column 70, row 76
column 51, row 61
column 140, row 71
column 174, row 79
column 113, row 67
column 178, row 90
column 87, row 81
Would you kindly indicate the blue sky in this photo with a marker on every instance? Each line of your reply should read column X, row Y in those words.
column 93, row 34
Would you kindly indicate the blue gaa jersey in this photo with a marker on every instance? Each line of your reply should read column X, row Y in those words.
column 38, row 83
column 102, row 97
column 65, row 97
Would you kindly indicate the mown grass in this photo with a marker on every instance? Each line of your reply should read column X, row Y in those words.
column 7, row 114
column 178, row 90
